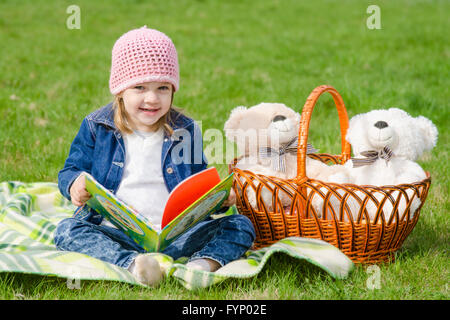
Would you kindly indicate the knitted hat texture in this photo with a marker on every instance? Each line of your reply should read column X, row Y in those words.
column 143, row 55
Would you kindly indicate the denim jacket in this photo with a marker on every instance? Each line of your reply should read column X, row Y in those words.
column 99, row 150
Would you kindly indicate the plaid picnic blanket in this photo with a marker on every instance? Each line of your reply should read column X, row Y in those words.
column 30, row 212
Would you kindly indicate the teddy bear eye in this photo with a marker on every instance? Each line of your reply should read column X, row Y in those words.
column 278, row 118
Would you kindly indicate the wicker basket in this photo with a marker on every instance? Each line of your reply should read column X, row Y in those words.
column 327, row 211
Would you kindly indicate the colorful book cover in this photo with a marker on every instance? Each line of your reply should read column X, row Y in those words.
column 196, row 198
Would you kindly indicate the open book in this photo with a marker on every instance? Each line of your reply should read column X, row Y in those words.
column 190, row 202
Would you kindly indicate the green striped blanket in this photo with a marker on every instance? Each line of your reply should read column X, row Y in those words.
column 30, row 212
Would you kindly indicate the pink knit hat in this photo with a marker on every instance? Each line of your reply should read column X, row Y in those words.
column 143, row 55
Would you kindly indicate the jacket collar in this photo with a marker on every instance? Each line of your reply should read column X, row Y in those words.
column 104, row 115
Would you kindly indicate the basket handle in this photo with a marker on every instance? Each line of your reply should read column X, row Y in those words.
column 304, row 128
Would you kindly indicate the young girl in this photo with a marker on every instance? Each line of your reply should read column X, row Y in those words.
column 127, row 147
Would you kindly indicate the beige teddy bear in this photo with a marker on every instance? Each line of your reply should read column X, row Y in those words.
column 266, row 136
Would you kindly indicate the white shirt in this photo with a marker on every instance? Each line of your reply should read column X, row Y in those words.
column 142, row 186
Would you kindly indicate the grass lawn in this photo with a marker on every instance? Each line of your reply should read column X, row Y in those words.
column 235, row 53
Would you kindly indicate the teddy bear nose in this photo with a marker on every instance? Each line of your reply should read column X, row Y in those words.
column 278, row 118
column 381, row 124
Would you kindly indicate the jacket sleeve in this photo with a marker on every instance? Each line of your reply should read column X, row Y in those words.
column 79, row 159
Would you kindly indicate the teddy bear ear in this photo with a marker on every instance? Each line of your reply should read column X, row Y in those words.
column 429, row 132
column 233, row 122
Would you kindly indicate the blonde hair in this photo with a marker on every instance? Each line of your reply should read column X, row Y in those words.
column 121, row 117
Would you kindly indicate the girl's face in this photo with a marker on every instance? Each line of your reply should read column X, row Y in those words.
column 146, row 103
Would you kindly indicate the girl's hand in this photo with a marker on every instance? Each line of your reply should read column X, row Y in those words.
column 231, row 199
column 78, row 192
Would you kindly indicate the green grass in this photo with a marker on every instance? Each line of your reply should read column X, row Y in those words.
column 234, row 53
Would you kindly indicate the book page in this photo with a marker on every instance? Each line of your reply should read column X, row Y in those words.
column 188, row 191
column 122, row 216
column 197, row 212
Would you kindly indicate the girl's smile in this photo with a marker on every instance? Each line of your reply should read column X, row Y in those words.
column 149, row 111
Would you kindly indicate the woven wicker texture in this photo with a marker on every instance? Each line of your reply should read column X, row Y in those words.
column 367, row 223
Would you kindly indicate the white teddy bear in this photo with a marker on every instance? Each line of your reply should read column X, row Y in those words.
column 386, row 144
column 266, row 136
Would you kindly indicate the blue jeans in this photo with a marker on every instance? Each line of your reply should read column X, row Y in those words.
column 223, row 240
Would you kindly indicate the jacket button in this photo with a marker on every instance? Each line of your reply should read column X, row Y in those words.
column 169, row 170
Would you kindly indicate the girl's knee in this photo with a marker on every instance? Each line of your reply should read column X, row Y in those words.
column 64, row 230
column 67, row 224
column 242, row 223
